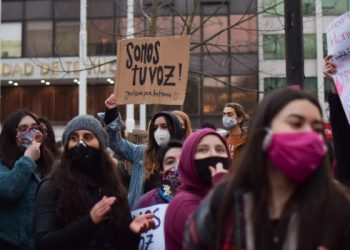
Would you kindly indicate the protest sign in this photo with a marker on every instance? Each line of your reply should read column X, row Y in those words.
column 154, row 238
column 152, row 70
column 338, row 43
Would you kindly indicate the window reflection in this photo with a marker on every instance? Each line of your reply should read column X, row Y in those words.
column 67, row 39
column 39, row 39
column 11, row 43
column 244, row 36
column 215, row 94
column 274, row 46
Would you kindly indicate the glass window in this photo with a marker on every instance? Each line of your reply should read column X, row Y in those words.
column 308, row 8
column 273, row 7
column 192, row 100
column 195, row 31
column 310, row 45
column 140, row 26
column 212, row 8
column 216, row 64
column 67, row 9
column 334, row 7
column 324, row 41
column 215, row 94
column 243, row 6
column 39, row 39
column 310, row 84
column 274, row 46
column 244, row 91
column 100, row 8
column 11, row 42
column 67, row 39
column 276, row 7
column 12, row 10
column 100, row 37
column 274, row 83
column 38, row 9
column 244, row 37
column 210, row 28
column 165, row 26
column 214, row 18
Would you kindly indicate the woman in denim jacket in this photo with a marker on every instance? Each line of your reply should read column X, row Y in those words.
column 145, row 174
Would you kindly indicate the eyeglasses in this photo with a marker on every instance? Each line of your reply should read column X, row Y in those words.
column 25, row 128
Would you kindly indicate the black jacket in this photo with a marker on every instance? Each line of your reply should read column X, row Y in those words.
column 81, row 234
column 341, row 138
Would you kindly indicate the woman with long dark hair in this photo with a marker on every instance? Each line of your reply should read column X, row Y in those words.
column 25, row 160
column 282, row 196
column 83, row 204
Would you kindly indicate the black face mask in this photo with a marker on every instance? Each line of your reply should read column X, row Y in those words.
column 202, row 166
column 85, row 158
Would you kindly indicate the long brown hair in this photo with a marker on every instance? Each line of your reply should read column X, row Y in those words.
column 322, row 210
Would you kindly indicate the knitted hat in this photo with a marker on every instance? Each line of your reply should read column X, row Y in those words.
column 85, row 122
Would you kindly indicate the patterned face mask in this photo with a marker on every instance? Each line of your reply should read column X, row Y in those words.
column 170, row 181
column 25, row 139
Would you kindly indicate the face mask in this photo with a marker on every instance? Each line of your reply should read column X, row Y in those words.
column 229, row 122
column 85, row 157
column 162, row 137
column 25, row 139
column 202, row 166
column 297, row 155
column 170, row 181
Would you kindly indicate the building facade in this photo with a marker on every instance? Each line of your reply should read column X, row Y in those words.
column 40, row 54
column 317, row 14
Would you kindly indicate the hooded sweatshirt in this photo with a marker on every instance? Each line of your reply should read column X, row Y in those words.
column 191, row 192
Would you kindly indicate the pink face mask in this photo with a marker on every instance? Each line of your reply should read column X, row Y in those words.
column 297, row 155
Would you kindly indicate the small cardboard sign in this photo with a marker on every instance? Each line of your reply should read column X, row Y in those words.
column 152, row 70
column 154, row 238
column 338, row 43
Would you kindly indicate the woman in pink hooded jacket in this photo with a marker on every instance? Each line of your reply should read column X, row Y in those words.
column 204, row 160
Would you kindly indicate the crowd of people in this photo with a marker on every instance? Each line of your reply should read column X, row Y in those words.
column 266, row 182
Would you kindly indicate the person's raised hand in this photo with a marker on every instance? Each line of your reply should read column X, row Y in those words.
column 219, row 168
column 101, row 209
column 33, row 151
column 329, row 68
column 142, row 223
column 111, row 102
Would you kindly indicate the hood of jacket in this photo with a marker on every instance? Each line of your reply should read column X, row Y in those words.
column 190, row 179
column 177, row 132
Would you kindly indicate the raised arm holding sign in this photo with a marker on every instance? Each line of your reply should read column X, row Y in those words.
column 338, row 42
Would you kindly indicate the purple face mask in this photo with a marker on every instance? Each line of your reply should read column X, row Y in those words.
column 297, row 155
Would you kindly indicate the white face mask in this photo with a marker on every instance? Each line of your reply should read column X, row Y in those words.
column 229, row 122
column 162, row 137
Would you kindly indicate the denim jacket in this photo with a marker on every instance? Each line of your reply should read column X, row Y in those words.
column 17, row 200
column 131, row 152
